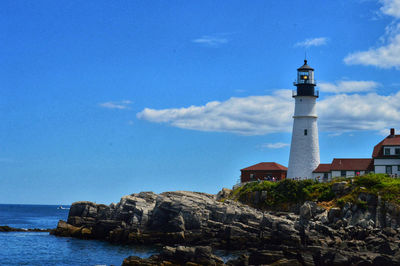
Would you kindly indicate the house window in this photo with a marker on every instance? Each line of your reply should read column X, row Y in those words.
column 305, row 132
column 387, row 151
column 357, row 173
column 325, row 175
column 252, row 176
column 342, row 173
column 388, row 169
column 397, row 151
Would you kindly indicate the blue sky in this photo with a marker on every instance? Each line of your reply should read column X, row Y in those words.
column 99, row 99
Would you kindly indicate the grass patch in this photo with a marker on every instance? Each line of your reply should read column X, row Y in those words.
column 282, row 194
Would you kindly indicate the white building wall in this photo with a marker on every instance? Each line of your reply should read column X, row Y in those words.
column 380, row 169
column 387, row 161
column 336, row 174
column 380, row 165
column 348, row 173
column 304, row 149
column 321, row 176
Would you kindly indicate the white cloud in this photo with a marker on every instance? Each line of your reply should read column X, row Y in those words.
column 335, row 134
column 253, row 115
column 277, row 145
column 313, row 42
column 390, row 8
column 116, row 105
column 348, row 86
column 258, row 115
column 387, row 54
column 210, row 41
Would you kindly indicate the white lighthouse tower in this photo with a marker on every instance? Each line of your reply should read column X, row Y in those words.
column 304, row 150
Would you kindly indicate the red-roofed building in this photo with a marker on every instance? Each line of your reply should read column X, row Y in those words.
column 263, row 171
column 347, row 167
column 385, row 159
column 323, row 172
column 344, row 167
column 386, row 155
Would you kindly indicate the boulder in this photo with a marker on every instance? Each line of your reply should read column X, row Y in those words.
column 309, row 210
column 223, row 194
column 65, row 229
column 181, row 255
column 334, row 214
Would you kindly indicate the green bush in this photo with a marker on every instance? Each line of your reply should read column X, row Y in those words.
column 370, row 180
column 288, row 191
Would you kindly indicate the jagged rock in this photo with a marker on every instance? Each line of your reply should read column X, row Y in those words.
column 351, row 235
column 6, row 228
column 223, row 194
column 389, row 231
column 265, row 257
column 181, row 255
column 334, row 214
column 65, row 229
column 307, row 210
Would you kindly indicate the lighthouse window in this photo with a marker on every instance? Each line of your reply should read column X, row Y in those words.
column 305, row 132
column 303, row 77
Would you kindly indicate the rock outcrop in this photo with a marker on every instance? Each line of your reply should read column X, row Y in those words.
column 315, row 236
column 180, row 255
column 6, row 228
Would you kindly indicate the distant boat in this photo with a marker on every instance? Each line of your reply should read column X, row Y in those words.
column 62, row 208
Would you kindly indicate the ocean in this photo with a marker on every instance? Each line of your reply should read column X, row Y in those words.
column 37, row 248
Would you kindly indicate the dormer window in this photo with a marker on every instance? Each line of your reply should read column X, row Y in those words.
column 387, row 151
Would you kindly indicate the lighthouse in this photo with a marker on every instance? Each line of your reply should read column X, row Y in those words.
column 304, row 149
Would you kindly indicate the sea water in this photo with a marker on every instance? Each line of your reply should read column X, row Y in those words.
column 41, row 248
column 37, row 248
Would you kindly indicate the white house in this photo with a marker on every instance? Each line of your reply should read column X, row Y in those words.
column 386, row 155
column 385, row 159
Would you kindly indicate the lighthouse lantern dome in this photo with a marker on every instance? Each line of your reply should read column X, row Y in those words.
column 305, row 74
column 305, row 81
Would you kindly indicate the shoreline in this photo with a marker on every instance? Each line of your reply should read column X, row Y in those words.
column 6, row 229
column 187, row 224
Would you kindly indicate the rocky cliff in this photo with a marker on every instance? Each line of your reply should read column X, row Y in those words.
column 314, row 236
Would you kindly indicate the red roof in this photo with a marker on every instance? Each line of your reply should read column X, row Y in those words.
column 352, row 164
column 391, row 140
column 272, row 166
column 323, row 168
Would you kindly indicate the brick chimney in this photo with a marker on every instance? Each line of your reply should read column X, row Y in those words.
column 392, row 132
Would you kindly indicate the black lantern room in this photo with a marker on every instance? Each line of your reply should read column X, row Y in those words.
column 305, row 81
